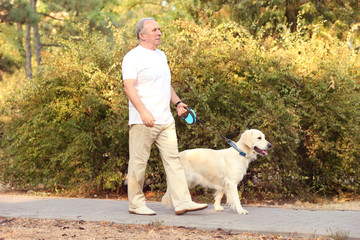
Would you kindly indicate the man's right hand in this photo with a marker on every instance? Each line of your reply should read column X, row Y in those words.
column 147, row 118
column 130, row 90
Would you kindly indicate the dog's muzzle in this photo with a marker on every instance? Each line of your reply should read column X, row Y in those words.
column 263, row 152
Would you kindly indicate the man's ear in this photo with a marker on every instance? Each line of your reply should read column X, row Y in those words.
column 141, row 36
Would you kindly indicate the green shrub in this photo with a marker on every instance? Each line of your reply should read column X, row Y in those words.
column 302, row 92
column 69, row 128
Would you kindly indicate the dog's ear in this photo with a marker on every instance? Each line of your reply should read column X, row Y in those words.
column 246, row 139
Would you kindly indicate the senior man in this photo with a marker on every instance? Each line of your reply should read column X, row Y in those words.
column 147, row 83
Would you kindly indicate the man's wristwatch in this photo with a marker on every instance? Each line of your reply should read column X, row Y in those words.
column 176, row 104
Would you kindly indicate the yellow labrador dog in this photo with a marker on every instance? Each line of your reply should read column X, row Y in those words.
column 222, row 169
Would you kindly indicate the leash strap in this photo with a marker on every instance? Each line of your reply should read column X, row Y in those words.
column 234, row 146
column 229, row 141
column 190, row 118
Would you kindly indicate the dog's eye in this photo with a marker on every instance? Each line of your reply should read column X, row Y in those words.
column 259, row 138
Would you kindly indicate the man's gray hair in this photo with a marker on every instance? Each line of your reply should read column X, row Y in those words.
column 140, row 26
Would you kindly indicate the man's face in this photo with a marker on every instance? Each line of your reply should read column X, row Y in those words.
column 151, row 33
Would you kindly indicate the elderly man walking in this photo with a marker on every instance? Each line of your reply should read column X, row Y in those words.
column 147, row 83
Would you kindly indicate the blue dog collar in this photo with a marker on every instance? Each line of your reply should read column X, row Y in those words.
column 236, row 148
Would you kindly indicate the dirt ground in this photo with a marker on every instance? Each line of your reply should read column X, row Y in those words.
column 26, row 229
column 30, row 228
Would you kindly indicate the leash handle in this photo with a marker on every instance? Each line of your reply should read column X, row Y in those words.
column 189, row 117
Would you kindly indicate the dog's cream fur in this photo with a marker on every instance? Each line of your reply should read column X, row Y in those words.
column 222, row 169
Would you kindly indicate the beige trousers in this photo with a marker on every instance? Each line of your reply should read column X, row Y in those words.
column 141, row 139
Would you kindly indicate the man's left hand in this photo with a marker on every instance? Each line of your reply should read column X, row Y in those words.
column 181, row 109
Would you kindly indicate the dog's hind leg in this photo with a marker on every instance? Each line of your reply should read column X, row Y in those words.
column 233, row 200
column 217, row 204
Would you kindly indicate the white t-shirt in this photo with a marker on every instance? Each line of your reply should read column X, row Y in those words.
column 153, row 83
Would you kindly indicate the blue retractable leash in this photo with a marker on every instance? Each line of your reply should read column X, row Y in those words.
column 190, row 118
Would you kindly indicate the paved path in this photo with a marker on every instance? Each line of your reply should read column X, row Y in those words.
column 262, row 220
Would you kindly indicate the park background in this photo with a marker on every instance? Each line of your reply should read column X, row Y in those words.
column 289, row 68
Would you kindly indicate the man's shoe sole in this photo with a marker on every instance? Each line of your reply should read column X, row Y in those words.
column 133, row 212
column 188, row 210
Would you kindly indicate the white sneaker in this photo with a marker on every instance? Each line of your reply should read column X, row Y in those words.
column 188, row 207
column 144, row 210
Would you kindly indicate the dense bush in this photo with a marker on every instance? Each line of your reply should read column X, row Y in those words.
column 302, row 91
column 69, row 127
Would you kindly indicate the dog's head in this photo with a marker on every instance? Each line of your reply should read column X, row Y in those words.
column 254, row 141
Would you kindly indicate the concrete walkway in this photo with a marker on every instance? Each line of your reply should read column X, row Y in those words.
column 261, row 220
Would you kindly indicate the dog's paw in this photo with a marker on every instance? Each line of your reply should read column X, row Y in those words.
column 219, row 208
column 242, row 211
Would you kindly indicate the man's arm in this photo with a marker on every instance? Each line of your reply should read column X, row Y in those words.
column 181, row 107
column 130, row 90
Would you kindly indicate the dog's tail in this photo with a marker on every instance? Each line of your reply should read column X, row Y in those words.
column 166, row 200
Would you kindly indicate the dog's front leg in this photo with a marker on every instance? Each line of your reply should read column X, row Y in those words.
column 217, row 204
column 233, row 199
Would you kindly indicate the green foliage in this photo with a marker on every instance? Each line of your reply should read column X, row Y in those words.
column 69, row 128
column 302, row 92
column 95, row 12
column 273, row 16
column 11, row 52
column 19, row 11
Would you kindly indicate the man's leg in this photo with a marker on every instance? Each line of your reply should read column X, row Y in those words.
column 140, row 142
column 175, row 175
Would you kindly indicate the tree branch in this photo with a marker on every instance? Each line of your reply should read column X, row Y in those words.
column 50, row 45
column 47, row 15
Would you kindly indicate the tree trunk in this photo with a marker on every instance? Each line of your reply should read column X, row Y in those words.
column 291, row 13
column 28, row 51
column 37, row 44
